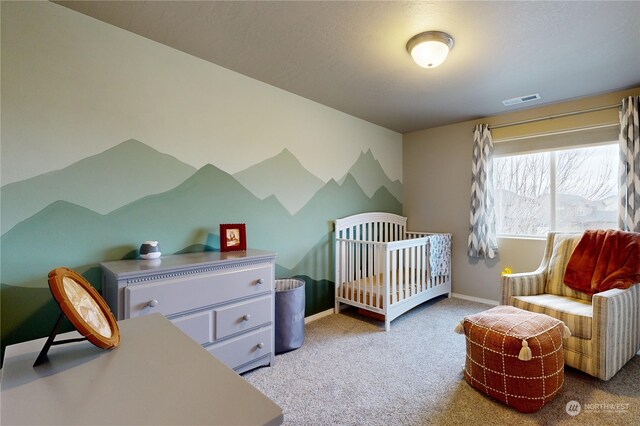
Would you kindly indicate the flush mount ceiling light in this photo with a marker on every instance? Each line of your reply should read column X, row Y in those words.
column 430, row 49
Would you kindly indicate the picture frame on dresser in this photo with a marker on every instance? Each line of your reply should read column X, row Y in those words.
column 233, row 237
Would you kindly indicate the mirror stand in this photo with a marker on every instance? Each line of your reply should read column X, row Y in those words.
column 42, row 357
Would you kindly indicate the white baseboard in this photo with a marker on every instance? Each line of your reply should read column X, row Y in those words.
column 475, row 299
column 318, row 316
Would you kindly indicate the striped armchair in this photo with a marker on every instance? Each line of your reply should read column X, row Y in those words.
column 605, row 327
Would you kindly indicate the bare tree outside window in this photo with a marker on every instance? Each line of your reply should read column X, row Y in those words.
column 584, row 194
column 522, row 188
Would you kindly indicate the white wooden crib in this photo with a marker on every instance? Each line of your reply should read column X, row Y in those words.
column 382, row 268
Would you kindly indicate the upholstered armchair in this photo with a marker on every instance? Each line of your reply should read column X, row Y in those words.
column 605, row 327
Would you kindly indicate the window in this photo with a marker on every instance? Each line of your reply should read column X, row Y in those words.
column 566, row 190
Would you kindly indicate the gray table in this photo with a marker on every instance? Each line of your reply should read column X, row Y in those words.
column 157, row 376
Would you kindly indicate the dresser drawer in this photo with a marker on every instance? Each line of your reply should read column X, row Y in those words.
column 198, row 326
column 244, row 348
column 184, row 293
column 232, row 319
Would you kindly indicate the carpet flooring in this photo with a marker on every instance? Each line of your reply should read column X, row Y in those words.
column 350, row 372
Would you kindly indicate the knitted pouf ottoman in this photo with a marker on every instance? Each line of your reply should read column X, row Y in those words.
column 514, row 356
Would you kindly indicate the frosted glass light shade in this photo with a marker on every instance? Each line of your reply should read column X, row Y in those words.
column 430, row 49
column 430, row 54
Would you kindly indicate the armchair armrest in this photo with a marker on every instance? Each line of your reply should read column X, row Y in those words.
column 523, row 284
column 616, row 328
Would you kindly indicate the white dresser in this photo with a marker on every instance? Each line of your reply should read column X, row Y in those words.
column 224, row 301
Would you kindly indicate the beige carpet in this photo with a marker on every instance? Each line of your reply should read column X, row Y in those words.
column 350, row 372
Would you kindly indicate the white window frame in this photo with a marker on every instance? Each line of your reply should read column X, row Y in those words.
column 552, row 142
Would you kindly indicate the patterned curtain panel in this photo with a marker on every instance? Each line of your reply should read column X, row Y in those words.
column 482, row 229
column 629, row 219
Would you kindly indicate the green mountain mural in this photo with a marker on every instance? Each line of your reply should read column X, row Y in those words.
column 318, row 262
column 185, row 218
column 282, row 176
column 369, row 174
column 67, row 234
column 102, row 183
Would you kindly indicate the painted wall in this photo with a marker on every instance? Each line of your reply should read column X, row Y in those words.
column 110, row 139
column 437, row 187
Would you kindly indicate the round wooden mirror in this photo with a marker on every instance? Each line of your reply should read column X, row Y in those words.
column 84, row 307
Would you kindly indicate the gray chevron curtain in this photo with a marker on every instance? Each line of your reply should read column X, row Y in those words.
column 482, row 228
column 629, row 219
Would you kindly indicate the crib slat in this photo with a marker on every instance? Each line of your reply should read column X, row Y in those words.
column 340, row 272
column 392, row 276
column 348, row 267
column 406, row 276
column 401, row 262
column 415, row 272
column 374, row 236
column 417, row 269
column 378, row 270
column 404, row 273
column 370, row 275
column 356, row 264
column 422, row 268
column 352, row 268
column 367, row 266
column 423, row 265
column 407, row 273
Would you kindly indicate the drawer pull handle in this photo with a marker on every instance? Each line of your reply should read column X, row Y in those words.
column 152, row 303
column 246, row 317
column 260, row 345
column 260, row 281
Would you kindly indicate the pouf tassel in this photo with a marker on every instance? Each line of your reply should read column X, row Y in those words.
column 525, row 352
column 460, row 327
column 566, row 333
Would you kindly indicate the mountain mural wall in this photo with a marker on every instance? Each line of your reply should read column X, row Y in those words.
column 74, row 230
column 284, row 177
column 369, row 174
column 102, row 183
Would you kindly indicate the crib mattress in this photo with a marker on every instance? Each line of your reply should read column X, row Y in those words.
column 363, row 292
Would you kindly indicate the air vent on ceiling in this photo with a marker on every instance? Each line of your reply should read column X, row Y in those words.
column 521, row 99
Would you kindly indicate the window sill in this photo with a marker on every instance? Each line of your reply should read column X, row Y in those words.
column 521, row 237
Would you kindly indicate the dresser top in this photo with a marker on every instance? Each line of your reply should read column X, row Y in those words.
column 179, row 262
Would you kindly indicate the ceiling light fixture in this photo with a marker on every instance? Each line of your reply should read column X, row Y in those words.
column 430, row 49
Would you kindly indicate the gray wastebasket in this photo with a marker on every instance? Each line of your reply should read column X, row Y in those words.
column 289, row 324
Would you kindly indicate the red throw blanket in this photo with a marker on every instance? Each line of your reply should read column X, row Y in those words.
column 603, row 260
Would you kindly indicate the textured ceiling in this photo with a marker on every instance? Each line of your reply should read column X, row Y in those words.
column 351, row 55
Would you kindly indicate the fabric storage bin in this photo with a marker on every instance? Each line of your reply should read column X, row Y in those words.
column 289, row 321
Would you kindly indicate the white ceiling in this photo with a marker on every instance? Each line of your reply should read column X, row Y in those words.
column 351, row 55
